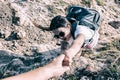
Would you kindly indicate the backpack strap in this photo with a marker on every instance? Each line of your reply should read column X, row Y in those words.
column 73, row 28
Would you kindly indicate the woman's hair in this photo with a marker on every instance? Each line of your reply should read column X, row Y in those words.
column 59, row 21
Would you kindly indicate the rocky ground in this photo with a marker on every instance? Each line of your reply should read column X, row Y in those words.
column 23, row 31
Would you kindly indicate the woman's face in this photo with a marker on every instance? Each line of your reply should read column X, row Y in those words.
column 62, row 32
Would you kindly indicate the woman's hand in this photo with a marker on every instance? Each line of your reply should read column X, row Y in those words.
column 67, row 59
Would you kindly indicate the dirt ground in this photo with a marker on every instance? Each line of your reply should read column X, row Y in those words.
column 23, row 31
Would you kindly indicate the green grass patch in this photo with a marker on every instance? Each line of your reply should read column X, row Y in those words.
column 111, row 73
column 88, row 3
column 116, row 44
column 62, row 3
column 52, row 9
column 100, row 2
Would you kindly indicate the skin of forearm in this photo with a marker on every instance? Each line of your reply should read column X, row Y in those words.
column 76, row 46
column 41, row 73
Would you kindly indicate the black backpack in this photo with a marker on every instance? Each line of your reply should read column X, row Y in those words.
column 82, row 16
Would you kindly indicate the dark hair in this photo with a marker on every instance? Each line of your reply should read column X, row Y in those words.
column 59, row 21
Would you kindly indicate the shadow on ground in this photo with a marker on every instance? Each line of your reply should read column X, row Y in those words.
column 13, row 64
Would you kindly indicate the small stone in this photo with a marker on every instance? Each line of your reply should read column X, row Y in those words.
column 115, row 24
column 21, row 35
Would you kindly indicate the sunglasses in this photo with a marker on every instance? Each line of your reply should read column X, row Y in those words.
column 61, row 34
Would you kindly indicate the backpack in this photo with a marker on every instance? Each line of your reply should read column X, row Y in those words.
column 82, row 16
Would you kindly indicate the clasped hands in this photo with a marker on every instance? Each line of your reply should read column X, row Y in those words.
column 59, row 65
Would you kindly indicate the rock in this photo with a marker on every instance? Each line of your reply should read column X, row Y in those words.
column 114, row 24
column 21, row 34
column 84, row 78
column 2, row 35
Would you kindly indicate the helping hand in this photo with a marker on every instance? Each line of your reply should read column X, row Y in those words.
column 57, row 68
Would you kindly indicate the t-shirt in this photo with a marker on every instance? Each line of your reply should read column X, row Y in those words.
column 80, row 29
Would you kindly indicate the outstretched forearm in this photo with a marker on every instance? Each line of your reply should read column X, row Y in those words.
column 41, row 73
column 75, row 47
column 52, row 69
